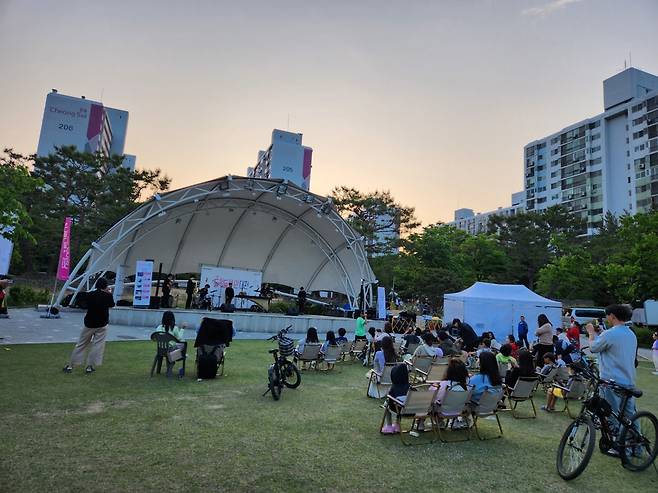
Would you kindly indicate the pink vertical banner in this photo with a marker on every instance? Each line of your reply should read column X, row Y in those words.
column 64, row 264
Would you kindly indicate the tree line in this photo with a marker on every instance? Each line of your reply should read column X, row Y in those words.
column 546, row 251
column 37, row 193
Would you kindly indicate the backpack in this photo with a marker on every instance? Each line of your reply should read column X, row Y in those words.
column 207, row 364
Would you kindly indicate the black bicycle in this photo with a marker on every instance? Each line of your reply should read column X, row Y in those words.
column 282, row 372
column 635, row 445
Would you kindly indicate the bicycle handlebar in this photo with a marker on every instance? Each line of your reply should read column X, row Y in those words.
column 280, row 334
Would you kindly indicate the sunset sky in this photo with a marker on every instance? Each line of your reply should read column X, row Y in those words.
column 432, row 100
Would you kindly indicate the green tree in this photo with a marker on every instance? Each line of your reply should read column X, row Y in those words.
column 377, row 216
column 569, row 277
column 16, row 184
column 95, row 190
column 531, row 240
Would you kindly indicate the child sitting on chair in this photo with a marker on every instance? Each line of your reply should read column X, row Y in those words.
column 331, row 341
column 341, row 339
column 398, row 390
column 549, row 363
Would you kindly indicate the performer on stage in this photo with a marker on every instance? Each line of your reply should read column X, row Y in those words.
column 189, row 290
column 166, row 291
column 204, row 297
column 229, row 294
column 301, row 300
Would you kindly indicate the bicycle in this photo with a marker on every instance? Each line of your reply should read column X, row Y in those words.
column 282, row 372
column 637, row 438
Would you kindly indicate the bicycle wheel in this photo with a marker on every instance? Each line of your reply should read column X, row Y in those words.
column 273, row 384
column 638, row 443
column 576, row 448
column 291, row 376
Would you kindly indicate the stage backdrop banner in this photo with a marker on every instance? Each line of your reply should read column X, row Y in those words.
column 143, row 278
column 381, row 303
column 244, row 281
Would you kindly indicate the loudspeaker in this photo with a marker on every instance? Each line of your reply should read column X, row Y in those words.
column 154, row 302
column 227, row 308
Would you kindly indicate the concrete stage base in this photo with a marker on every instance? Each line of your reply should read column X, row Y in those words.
column 269, row 323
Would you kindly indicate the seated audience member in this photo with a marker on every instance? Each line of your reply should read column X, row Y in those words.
column 565, row 351
column 446, row 344
column 456, row 378
column 504, row 357
column 388, row 331
column 573, row 334
column 411, row 336
column 330, row 341
column 385, row 355
column 526, row 369
column 399, row 389
column 311, row 338
column 379, row 335
column 487, row 378
column 169, row 325
column 484, row 346
column 495, row 345
column 553, row 393
column 515, row 347
column 341, row 339
column 426, row 349
column 549, row 363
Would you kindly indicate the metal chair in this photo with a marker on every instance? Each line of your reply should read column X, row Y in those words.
column 454, row 405
column 417, row 407
column 485, row 407
column 524, row 390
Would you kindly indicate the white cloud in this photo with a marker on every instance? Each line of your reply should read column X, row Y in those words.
column 549, row 7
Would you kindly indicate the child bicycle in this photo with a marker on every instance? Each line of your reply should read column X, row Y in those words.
column 282, row 372
column 635, row 444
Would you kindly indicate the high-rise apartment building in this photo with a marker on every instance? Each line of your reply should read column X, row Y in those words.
column 469, row 221
column 606, row 163
column 286, row 158
column 86, row 124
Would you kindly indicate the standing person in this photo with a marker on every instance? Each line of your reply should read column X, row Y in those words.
column 617, row 351
column 654, row 352
column 360, row 328
column 544, row 333
column 3, row 300
column 301, row 300
column 189, row 291
column 229, row 294
column 93, row 334
column 523, row 333
column 573, row 334
column 466, row 333
column 166, row 292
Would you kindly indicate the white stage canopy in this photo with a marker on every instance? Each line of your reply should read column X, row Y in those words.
column 292, row 236
column 498, row 308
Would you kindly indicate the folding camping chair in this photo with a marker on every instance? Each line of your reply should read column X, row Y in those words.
column 487, row 406
column 575, row 390
column 310, row 355
column 379, row 384
column 454, row 405
column 417, row 407
column 524, row 390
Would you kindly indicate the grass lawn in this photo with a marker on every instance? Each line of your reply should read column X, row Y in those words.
column 120, row 430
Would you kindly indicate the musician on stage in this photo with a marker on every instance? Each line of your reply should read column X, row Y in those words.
column 204, row 297
column 229, row 294
column 189, row 290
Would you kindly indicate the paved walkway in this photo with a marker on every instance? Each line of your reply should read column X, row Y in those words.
column 25, row 326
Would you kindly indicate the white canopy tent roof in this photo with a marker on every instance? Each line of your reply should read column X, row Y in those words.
column 498, row 308
column 292, row 236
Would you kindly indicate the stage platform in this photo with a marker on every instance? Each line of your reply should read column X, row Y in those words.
column 269, row 323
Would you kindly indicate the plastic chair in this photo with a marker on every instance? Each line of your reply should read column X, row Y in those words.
column 164, row 352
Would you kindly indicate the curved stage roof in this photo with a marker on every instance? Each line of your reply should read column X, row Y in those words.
column 292, row 236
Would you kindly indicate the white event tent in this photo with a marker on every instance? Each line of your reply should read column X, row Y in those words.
column 273, row 227
column 498, row 308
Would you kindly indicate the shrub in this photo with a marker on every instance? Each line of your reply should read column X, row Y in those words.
column 26, row 296
column 280, row 306
column 644, row 336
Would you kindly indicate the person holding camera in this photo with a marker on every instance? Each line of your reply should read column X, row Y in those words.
column 616, row 349
column 93, row 334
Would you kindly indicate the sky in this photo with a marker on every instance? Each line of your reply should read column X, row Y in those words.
column 432, row 100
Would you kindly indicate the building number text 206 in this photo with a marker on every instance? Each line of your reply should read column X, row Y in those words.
column 64, row 126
